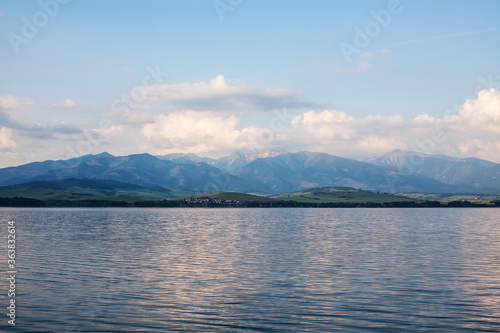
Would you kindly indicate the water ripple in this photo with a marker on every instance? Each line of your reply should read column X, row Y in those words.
column 256, row 270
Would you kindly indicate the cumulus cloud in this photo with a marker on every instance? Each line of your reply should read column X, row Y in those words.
column 13, row 102
column 204, row 132
column 200, row 132
column 113, row 131
column 218, row 94
column 36, row 130
column 68, row 103
column 7, row 145
column 338, row 133
column 6, row 141
column 473, row 131
column 192, row 131
column 476, row 127
column 8, row 121
column 195, row 132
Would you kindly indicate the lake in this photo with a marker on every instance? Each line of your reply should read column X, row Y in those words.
column 254, row 270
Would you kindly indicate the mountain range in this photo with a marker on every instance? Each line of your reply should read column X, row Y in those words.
column 272, row 172
column 231, row 163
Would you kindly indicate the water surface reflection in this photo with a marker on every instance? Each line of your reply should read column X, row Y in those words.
column 156, row 270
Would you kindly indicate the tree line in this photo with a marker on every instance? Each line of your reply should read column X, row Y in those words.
column 28, row 202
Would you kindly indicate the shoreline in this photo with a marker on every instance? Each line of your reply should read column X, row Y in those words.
column 18, row 202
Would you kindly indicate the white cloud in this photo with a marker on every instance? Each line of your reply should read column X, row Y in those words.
column 113, row 131
column 190, row 131
column 483, row 110
column 199, row 132
column 13, row 102
column 16, row 119
column 6, row 141
column 218, row 94
column 476, row 127
column 474, row 131
column 187, row 91
column 68, row 103
column 335, row 132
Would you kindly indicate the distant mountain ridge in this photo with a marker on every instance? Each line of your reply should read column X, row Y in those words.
column 140, row 169
column 298, row 171
column 73, row 183
column 272, row 172
column 231, row 163
column 186, row 158
column 472, row 174
column 18, row 174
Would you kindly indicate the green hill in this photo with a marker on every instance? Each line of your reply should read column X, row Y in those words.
column 230, row 196
column 314, row 196
column 341, row 194
column 79, row 189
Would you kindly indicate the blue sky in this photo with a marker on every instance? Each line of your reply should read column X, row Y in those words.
column 430, row 56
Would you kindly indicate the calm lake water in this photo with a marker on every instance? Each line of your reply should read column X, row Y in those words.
column 262, row 270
